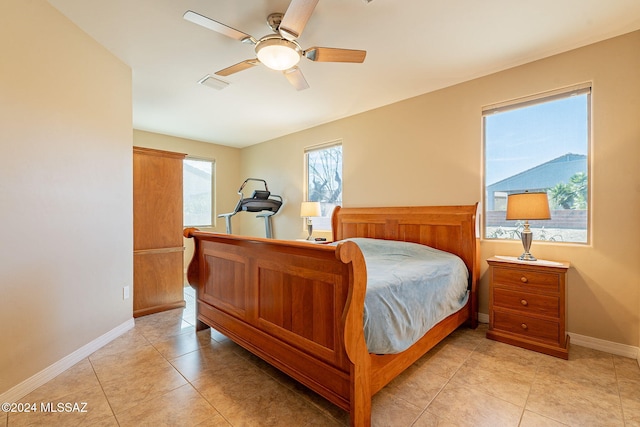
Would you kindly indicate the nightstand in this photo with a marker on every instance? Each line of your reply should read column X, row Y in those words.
column 527, row 304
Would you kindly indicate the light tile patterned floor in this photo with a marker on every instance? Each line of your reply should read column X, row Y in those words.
column 164, row 373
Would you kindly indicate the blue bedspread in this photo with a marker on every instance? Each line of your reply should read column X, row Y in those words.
column 410, row 288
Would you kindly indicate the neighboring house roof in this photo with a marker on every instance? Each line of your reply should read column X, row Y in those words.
column 541, row 177
column 196, row 172
column 197, row 180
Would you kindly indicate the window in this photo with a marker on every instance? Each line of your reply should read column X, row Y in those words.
column 324, row 180
column 198, row 192
column 539, row 144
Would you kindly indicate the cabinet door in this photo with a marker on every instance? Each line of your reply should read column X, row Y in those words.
column 157, row 281
column 157, row 201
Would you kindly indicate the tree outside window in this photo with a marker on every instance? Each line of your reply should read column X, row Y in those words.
column 324, row 180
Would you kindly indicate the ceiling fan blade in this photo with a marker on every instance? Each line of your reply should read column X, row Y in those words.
column 332, row 54
column 240, row 66
column 295, row 77
column 216, row 26
column 296, row 17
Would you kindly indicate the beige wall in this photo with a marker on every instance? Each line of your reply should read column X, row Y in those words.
column 227, row 178
column 65, row 189
column 428, row 150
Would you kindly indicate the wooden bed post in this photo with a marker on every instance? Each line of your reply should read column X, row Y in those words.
column 193, row 271
column 475, row 280
column 474, row 273
column 354, row 341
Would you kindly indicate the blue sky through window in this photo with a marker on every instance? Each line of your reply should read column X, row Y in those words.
column 519, row 139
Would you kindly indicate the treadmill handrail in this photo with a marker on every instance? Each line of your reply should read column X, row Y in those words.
column 252, row 179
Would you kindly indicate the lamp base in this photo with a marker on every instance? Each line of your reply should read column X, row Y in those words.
column 527, row 257
column 527, row 237
column 309, row 229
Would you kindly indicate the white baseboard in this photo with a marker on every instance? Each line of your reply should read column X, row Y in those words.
column 483, row 318
column 19, row 391
column 606, row 346
column 594, row 343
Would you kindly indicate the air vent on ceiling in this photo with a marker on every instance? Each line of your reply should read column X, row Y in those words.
column 212, row 82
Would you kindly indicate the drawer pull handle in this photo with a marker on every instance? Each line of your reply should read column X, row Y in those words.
column 524, row 302
column 524, row 279
column 524, row 326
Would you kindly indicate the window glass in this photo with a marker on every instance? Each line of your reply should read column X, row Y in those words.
column 540, row 145
column 324, row 180
column 198, row 192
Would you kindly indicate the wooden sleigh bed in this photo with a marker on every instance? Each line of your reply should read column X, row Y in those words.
column 299, row 306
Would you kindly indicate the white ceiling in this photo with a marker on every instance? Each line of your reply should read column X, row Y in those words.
column 413, row 47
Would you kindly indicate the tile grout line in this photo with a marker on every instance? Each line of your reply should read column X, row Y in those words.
column 182, row 375
column 524, row 407
column 425, row 409
column 615, row 371
column 93, row 369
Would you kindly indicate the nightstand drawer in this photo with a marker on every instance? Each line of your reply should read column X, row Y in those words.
column 549, row 282
column 529, row 327
column 527, row 303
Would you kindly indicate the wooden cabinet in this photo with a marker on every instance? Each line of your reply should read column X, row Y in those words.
column 158, row 250
column 527, row 304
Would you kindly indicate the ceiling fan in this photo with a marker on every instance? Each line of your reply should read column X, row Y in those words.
column 280, row 50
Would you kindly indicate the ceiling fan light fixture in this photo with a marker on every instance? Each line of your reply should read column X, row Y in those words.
column 278, row 54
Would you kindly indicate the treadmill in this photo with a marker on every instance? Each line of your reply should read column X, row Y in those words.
column 261, row 201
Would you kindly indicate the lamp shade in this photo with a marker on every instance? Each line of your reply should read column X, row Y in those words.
column 308, row 209
column 528, row 206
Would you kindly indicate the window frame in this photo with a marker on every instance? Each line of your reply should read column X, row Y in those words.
column 540, row 98
column 315, row 148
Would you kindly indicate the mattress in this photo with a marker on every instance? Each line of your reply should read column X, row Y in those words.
column 410, row 288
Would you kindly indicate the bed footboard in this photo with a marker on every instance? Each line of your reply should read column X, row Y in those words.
column 286, row 302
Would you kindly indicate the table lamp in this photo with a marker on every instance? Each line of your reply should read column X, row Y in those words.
column 527, row 206
column 308, row 210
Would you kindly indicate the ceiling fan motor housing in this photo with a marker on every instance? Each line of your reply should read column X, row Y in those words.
column 274, row 20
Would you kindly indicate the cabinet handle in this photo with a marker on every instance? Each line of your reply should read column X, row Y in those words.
column 524, row 326
column 524, row 302
column 524, row 279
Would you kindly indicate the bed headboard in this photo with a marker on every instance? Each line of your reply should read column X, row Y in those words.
column 448, row 228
